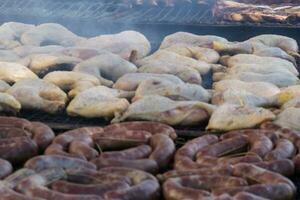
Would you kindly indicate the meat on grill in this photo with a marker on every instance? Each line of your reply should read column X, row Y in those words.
column 107, row 67
column 181, row 92
column 72, row 82
column 190, row 39
column 38, row 94
column 131, row 81
column 122, row 44
column 8, row 104
column 99, row 101
column 165, row 110
column 233, row 116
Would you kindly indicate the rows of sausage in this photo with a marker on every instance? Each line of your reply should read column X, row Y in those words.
column 138, row 160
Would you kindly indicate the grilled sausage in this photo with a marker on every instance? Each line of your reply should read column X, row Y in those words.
column 284, row 149
column 40, row 163
column 12, row 180
column 260, row 145
column 5, row 168
column 42, row 135
column 284, row 167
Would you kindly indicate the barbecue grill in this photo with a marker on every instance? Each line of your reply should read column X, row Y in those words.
column 93, row 17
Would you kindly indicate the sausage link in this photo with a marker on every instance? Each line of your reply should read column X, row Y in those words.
column 9, row 194
column 57, row 149
column 13, row 180
column 17, row 150
column 184, row 157
column 139, row 152
column 247, row 196
column 5, row 168
column 260, row 145
column 224, row 147
column 151, row 127
column 147, row 165
column 42, row 135
column 96, row 189
column 284, row 149
column 81, row 149
column 284, row 167
column 163, row 150
column 40, row 163
column 277, row 191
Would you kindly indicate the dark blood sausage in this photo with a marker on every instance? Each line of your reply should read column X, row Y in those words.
column 40, row 163
column 197, row 186
column 283, row 149
column 184, row 157
column 151, row 127
column 5, row 168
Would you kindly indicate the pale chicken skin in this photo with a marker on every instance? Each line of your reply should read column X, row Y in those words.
column 50, row 34
column 287, row 94
column 289, row 118
column 262, row 89
column 229, row 117
column 13, row 72
column 41, row 64
column 10, row 34
column 165, row 110
column 27, row 50
column 195, row 52
column 99, row 101
column 131, row 81
column 122, row 44
column 190, row 38
column 107, row 66
column 72, row 82
column 37, row 94
column 177, row 92
column 8, row 104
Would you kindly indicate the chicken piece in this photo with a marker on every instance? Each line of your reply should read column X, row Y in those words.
column 73, row 82
column 177, row 92
column 8, row 104
column 27, row 50
column 41, row 64
column 249, row 47
column 191, row 39
column 285, row 43
column 262, row 89
column 99, row 101
column 241, row 59
column 81, row 53
column 234, row 96
column 50, row 34
column 11, row 32
column 280, row 79
column 173, row 60
column 287, row 94
column 131, row 81
column 122, row 44
column 8, row 56
column 14, row 72
column 293, row 103
column 38, row 94
column 164, row 110
column 3, row 86
column 107, row 67
column 198, row 53
column 229, row 117
column 289, row 118
column 256, row 68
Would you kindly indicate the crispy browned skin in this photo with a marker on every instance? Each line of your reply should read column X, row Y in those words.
column 197, row 186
